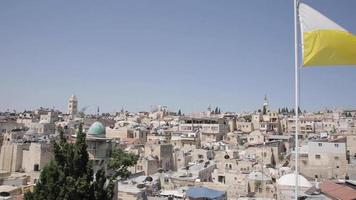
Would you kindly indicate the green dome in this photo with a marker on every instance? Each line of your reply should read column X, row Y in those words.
column 97, row 129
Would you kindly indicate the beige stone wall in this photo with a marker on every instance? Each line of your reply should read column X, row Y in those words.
column 324, row 160
column 325, row 168
column 164, row 152
column 351, row 145
column 11, row 157
column 245, row 127
column 255, row 137
column 265, row 153
column 181, row 160
column 150, row 167
column 120, row 133
column 38, row 153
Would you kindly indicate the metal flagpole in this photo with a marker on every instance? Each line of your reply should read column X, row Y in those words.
column 296, row 110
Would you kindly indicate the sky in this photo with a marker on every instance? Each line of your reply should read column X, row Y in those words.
column 186, row 54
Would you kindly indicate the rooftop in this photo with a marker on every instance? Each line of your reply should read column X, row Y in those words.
column 338, row 190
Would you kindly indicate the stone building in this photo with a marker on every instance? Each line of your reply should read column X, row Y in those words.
column 261, row 184
column 210, row 129
column 36, row 156
column 351, row 145
column 28, row 157
column 128, row 132
column 73, row 106
column 163, row 152
column 232, row 173
column 99, row 147
column 323, row 160
column 255, row 137
column 11, row 156
column 185, row 140
column 245, row 127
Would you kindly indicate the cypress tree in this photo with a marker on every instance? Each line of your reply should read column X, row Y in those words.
column 273, row 159
column 70, row 176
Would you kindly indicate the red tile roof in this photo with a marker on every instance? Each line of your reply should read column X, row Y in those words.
column 338, row 191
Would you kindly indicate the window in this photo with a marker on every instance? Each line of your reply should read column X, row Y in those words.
column 336, row 157
column 336, row 145
column 320, row 144
column 317, row 156
column 221, row 179
column 337, row 167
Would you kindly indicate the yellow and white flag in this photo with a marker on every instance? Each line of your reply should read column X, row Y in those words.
column 324, row 42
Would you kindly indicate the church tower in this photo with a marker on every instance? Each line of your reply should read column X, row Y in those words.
column 73, row 106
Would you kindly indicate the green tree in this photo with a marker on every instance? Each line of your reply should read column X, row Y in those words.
column 273, row 159
column 299, row 110
column 70, row 176
column 120, row 161
column 100, row 191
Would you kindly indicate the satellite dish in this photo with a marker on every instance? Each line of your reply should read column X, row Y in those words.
column 149, row 179
column 4, row 194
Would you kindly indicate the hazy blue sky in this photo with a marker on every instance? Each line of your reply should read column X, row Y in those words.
column 185, row 54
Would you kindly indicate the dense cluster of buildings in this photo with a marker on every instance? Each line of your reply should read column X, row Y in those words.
column 208, row 155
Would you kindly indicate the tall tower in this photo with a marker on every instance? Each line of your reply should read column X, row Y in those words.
column 265, row 106
column 73, row 106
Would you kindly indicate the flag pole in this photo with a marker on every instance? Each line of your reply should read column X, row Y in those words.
column 296, row 110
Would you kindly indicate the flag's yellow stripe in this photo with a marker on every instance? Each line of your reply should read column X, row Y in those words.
column 329, row 47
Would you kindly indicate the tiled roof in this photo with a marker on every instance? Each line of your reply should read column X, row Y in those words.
column 338, row 191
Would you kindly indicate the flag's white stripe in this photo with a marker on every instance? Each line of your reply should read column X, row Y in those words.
column 312, row 20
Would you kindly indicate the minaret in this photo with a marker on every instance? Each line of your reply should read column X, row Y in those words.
column 98, row 113
column 265, row 106
column 73, row 106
